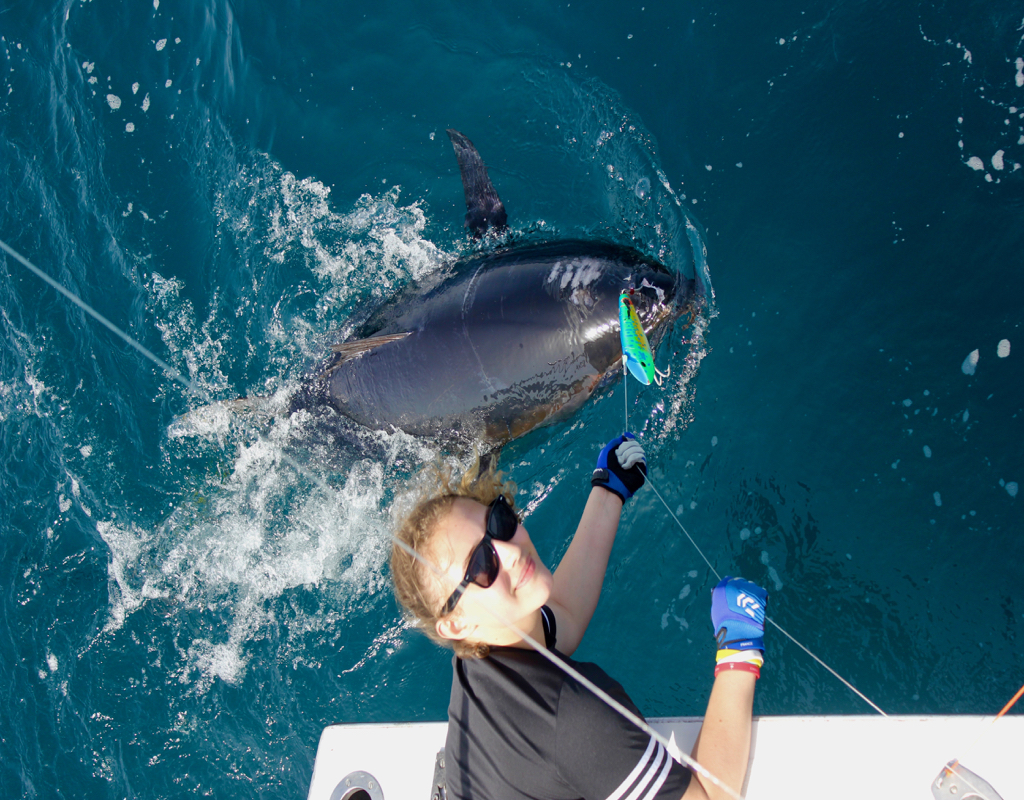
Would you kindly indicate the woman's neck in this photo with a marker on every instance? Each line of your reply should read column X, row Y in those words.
column 502, row 636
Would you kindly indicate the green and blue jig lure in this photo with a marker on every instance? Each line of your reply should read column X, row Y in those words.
column 636, row 351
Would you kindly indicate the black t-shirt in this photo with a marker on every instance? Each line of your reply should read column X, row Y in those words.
column 519, row 727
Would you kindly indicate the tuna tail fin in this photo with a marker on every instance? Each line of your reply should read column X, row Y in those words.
column 215, row 419
column 484, row 208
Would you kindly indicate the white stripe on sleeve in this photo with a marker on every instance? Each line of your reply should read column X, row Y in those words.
column 650, row 776
column 647, row 777
column 656, row 787
column 640, row 766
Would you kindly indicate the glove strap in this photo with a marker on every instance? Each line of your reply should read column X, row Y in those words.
column 606, row 479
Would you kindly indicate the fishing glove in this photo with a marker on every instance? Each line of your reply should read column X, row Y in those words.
column 737, row 614
column 621, row 467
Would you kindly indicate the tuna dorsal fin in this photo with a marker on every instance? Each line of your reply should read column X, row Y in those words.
column 349, row 350
column 483, row 206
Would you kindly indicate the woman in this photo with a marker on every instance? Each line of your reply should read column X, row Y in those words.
column 519, row 727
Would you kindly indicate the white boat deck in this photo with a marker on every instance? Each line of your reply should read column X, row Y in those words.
column 840, row 758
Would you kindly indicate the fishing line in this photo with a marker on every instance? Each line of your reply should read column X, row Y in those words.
column 610, row 701
column 778, row 627
column 170, row 371
column 625, row 392
column 558, row 663
column 167, row 368
column 198, row 391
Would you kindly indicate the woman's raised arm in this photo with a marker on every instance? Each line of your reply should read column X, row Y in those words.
column 620, row 472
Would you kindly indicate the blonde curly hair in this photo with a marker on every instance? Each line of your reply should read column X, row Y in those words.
column 417, row 588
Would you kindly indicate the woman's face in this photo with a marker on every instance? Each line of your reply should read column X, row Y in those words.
column 523, row 584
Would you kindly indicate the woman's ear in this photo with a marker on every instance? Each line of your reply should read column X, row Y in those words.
column 453, row 627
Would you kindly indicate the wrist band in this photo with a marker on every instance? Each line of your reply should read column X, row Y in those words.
column 742, row 666
column 755, row 657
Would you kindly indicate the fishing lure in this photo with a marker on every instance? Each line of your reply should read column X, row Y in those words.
column 636, row 351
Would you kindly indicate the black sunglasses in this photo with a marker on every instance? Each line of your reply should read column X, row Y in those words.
column 484, row 564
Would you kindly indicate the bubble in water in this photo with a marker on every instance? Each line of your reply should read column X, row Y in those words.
column 642, row 188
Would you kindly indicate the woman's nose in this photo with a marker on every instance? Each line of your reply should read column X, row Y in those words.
column 508, row 552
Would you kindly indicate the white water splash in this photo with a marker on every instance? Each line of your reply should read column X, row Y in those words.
column 263, row 532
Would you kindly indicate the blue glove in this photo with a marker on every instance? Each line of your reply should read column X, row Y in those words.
column 621, row 467
column 737, row 613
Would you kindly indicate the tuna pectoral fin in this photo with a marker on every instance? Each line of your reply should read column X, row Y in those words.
column 483, row 207
column 349, row 350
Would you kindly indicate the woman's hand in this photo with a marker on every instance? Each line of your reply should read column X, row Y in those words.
column 723, row 746
column 621, row 467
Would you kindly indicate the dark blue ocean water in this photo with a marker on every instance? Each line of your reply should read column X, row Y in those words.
column 183, row 610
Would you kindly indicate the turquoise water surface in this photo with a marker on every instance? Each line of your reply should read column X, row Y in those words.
column 184, row 608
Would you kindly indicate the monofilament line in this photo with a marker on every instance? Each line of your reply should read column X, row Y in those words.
column 843, row 680
column 610, row 701
column 197, row 390
column 170, row 371
column 682, row 528
column 768, row 619
column 92, row 312
column 625, row 390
